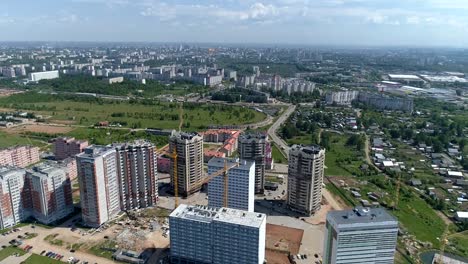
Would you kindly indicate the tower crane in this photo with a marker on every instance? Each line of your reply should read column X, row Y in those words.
column 224, row 171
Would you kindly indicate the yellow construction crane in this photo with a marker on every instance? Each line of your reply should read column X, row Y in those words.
column 176, row 180
column 205, row 180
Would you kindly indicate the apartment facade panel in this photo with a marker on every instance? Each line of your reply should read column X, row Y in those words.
column 241, row 181
column 252, row 147
column 189, row 150
column 362, row 235
column 305, row 178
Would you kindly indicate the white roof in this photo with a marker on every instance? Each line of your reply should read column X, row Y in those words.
column 388, row 163
column 455, row 173
column 404, row 76
column 207, row 214
column 462, row 214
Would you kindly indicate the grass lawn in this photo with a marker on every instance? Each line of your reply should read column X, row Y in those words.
column 103, row 136
column 420, row 219
column 8, row 140
column 100, row 252
column 300, row 140
column 340, row 159
column 8, row 251
column 38, row 259
column 460, row 242
column 277, row 155
column 152, row 114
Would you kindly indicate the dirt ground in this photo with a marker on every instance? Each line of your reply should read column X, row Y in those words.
column 282, row 238
column 40, row 128
column 4, row 92
column 273, row 257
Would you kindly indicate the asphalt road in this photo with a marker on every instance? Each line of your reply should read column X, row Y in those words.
column 283, row 146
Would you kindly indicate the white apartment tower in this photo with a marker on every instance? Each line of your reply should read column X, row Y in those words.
column 189, row 150
column 362, row 235
column 11, row 196
column 305, row 178
column 201, row 234
column 99, row 184
column 241, row 181
column 252, row 146
column 137, row 175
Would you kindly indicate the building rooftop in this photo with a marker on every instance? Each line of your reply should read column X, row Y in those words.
column 253, row 136
column 227, row 215
column 94, row 151
column 405, row 76
column 312, row 149
column 361, row 217
column 185, row 135
column 6, row 171
column 219, row 162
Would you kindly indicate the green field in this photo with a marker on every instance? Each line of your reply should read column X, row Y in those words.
column 88, row 111
column 103, row 136
column 8, row 140
column 340, row 159
column 460, row 243
column 420, row 219
column 38, row 259
column 277, row 155
column 8, row 251
column 98, row 251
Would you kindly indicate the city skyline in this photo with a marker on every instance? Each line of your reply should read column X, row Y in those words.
column 345, row 22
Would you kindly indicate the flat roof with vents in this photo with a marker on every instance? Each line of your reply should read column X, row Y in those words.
column 361, row 218
column 208, row 214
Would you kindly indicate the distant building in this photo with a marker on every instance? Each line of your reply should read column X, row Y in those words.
column 362, row 235
column 252, row 146
column 241, row 181
column 50, row 193
column 305, row 178
column 99, row 185
column 65, row 147
column 19, row 156
column 115, row 80
column 342, row 97
column 47, row 75
column 201, row 234
column 407, row 79
column 386, row 103
column 189, row 150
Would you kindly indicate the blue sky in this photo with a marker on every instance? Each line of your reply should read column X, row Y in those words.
column 334, row 22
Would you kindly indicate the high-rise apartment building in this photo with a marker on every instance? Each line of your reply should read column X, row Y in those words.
column 99, row 184
column 252, row 146
column 189, row 150
column 241, row 181
column 50, row 193
column 362, row 235
column 65, row 147
column 305, row 178
column 137, row 169
column 43, row 192
column 11, row 197
column 115, row 178
column 19, row 156
column 201, row 234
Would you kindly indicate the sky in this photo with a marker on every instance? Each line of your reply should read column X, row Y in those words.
column 305, row 22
